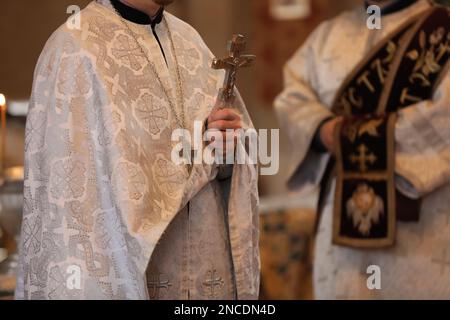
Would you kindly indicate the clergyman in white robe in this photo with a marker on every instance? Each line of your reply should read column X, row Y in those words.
column 418, row 266
column 108, row 214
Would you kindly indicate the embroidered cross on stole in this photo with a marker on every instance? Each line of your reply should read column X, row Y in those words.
column 404, row 69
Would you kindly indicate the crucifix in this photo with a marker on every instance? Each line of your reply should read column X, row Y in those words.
column 231, row 65
column 363, row 158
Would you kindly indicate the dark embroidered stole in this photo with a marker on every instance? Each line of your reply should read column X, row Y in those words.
column 404, row 69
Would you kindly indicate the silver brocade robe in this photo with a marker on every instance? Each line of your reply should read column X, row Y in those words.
column 419, row 265
column 103, row 200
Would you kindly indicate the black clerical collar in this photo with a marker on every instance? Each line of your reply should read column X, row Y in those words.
column 136, row 16
column 395, row 6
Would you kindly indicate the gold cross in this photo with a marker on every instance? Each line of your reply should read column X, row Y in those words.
column 363, row 158
column 232, row 64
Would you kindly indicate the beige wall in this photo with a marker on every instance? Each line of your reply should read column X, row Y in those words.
column 25, row 25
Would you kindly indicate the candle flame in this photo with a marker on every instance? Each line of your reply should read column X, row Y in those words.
column 2, row 100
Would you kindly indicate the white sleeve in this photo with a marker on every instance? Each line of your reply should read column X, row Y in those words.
column 423, row 144
column 300, row 113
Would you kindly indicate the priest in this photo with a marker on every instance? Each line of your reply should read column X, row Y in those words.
column 368, row 112
column 108, row 212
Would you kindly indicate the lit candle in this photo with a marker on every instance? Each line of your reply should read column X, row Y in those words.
column 3, row 134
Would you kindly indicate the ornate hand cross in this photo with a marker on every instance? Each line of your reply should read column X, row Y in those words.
column 232, row 64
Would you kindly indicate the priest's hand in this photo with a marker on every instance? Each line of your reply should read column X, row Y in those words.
column 327, row 133
column 223, row 120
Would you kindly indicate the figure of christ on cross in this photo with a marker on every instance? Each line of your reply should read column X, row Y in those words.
column 226, row 97
column 231, row 65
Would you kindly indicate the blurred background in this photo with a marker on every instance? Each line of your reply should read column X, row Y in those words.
column 275, row 29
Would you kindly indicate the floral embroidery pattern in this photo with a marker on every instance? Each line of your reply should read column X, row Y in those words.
column 152, row 115
column 169, row 176
column 34, row 139
column 134, row 180
column 128, row 52
column 68, row 179
column 68, row 84
column 32, row 234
